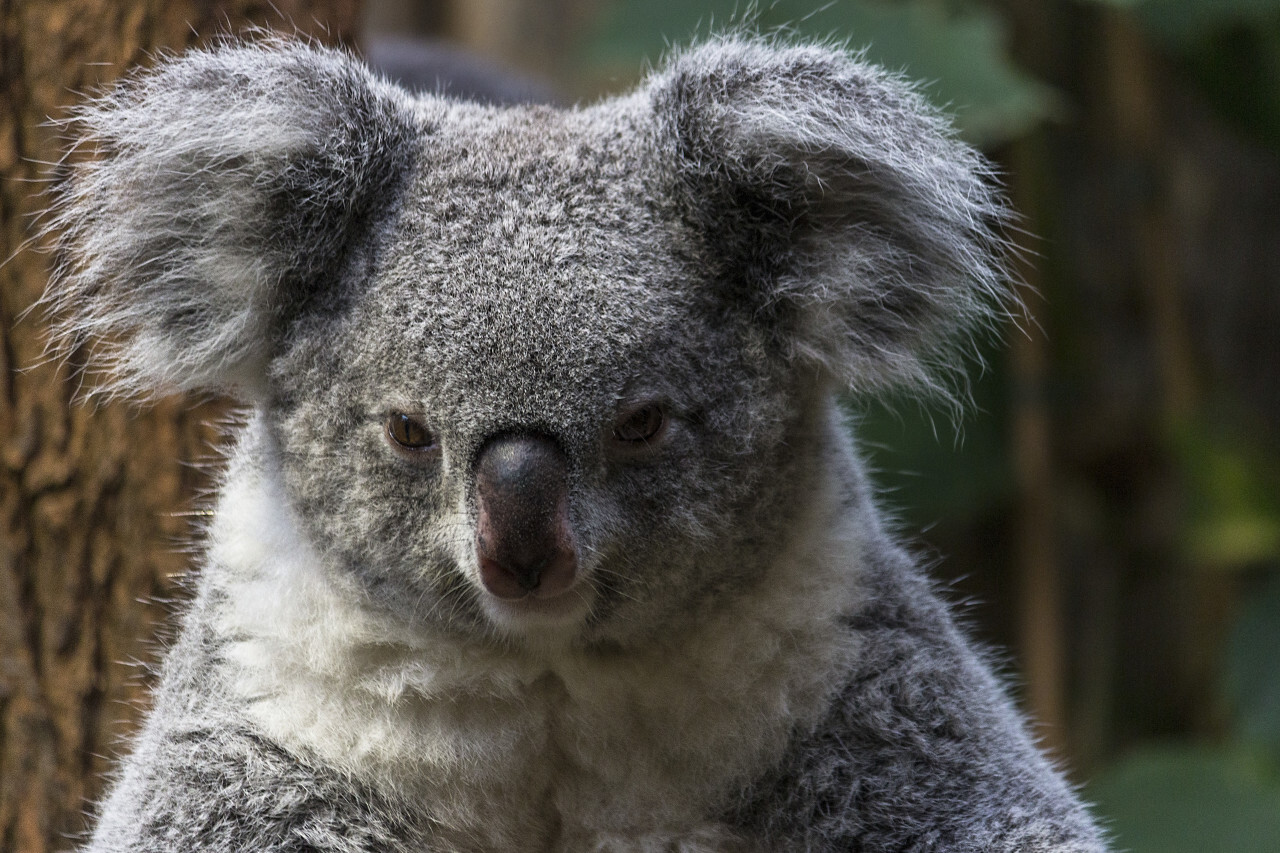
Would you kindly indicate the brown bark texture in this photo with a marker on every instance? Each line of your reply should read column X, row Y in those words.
column 97, row 502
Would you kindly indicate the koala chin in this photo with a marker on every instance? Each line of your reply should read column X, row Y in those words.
column 544, row 531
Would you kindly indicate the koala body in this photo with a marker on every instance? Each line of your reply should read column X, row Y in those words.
column 546, row 532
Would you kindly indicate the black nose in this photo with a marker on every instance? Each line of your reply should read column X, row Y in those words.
column 523, row 539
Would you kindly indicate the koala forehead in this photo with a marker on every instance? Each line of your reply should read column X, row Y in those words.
column 530, row 267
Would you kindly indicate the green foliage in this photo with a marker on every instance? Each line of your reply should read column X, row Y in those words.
column 1233, row 489
column 1189, row 800
column 957, row 48
column 1225, row 798
column 1252, row 677
column 1206, row 799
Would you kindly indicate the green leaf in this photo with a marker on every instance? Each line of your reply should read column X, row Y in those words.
column 1252, row 672
column 1188, row 800
column 1234, row 512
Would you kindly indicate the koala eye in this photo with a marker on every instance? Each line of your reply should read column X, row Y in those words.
column 408, row 434
column 640, row 425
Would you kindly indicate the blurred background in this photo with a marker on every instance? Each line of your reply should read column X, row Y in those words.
column 1107, row 513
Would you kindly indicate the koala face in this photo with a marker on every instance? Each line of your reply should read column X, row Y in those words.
column 538, row 294
column 530, row 372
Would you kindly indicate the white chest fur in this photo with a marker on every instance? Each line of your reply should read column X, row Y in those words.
column 512, row 751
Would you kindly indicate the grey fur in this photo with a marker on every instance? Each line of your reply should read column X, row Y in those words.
column 747, row 661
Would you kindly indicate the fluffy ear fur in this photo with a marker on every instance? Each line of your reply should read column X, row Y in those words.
column 840, row 200
column 216, row 195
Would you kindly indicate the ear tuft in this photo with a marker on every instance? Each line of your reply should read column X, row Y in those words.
column 833, row 196
column 209, row 197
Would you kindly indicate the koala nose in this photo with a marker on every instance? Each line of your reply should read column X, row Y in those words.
column 523, row 538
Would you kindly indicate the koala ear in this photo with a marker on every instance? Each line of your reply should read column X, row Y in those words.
column 213, row 196
column 840, row 201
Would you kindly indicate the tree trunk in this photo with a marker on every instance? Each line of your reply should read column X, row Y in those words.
column 95, row 502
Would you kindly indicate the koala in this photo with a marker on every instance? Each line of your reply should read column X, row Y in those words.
column 544, row 530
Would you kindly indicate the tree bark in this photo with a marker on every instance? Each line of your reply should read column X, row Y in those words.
column 96, row 503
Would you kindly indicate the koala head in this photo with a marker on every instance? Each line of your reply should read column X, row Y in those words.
column 524, row 369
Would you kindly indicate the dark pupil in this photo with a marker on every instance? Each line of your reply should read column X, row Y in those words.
column 408, row 432
column 640, row 426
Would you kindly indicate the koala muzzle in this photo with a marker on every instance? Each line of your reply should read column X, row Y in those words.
column 523, row 538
